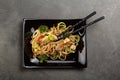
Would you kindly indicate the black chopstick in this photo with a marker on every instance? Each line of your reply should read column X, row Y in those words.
column 78, row 23
column 89, row 24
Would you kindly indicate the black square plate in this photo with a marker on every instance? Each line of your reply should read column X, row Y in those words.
column 77, row 60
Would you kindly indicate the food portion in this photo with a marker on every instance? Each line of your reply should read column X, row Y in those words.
column 44, row 46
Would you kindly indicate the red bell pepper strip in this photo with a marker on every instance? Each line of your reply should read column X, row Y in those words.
column 40, row 37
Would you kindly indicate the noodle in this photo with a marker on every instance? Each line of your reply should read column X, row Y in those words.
column 55, row 50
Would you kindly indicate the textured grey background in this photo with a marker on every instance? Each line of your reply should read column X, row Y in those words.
column 103, row 38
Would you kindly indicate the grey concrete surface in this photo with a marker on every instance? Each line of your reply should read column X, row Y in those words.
column 103, row 38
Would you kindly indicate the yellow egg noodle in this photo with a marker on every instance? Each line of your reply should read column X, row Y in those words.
column 42, row 43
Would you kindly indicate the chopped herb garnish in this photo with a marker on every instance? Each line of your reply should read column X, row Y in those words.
column 43, row 58
column 43, row 28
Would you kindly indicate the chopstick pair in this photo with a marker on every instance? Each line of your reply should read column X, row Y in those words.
column 63, row 35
